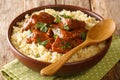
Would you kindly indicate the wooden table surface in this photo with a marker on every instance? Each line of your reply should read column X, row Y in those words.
column 9, row 9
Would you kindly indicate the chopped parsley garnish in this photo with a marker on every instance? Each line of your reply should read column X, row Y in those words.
column 67, row 45
column 41, row 26
column 49, row 25
column 57, row 19
column 66, row 27
column 42, row 42
column 63, row 47
column 37, row 55
column 66, row 16
column 55, row 36
column 83, row 35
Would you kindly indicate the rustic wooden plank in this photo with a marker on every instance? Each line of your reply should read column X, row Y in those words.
column 109, row 9
column 28, row 4
column 80, row 3
column 114, row 73
column 99, row 6
column 7, row 13
column 114, row 10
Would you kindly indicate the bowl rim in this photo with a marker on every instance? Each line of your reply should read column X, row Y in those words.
column 50, row 6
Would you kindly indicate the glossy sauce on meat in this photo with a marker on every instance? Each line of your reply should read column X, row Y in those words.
column 60, row 36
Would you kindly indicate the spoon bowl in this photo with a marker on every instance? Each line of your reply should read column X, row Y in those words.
column 100, row 32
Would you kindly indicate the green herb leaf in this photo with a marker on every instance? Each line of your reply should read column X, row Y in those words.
column 43, row 42
column 67, row 45
column 55, row 36
column 63, row 47
column 66, row 16
column 37, row 55
column 38, row 40
column 66, row 27
column 83, row 35
column 49, row 25
column 57, row 19
column 41, row 26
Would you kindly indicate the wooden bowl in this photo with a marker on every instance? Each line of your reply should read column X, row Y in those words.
column 68, row 68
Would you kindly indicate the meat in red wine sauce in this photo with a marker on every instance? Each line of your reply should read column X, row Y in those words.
column 60, row 36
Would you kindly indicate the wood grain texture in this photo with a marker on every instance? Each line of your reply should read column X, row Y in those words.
column 114, row 73
column 28, row 4
column 114, row 10
column 99, row 6
column 108, row 9
column 7, row 13
column 80, row 3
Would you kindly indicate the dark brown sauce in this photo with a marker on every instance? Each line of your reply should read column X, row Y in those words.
column 71, row 33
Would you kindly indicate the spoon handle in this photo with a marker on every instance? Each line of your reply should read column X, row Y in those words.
column 54, row 67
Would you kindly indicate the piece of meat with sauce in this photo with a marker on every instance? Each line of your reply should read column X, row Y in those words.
column 49, row 45
column 67, row 35
column 42, row 17
column 42, row 36
column 75, row 24
column 71, row 23
column 76, row 41
column 62, row 46
column 37, row 34
column 59, row 46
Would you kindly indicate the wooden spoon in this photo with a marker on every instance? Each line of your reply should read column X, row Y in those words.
column 100, row 32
